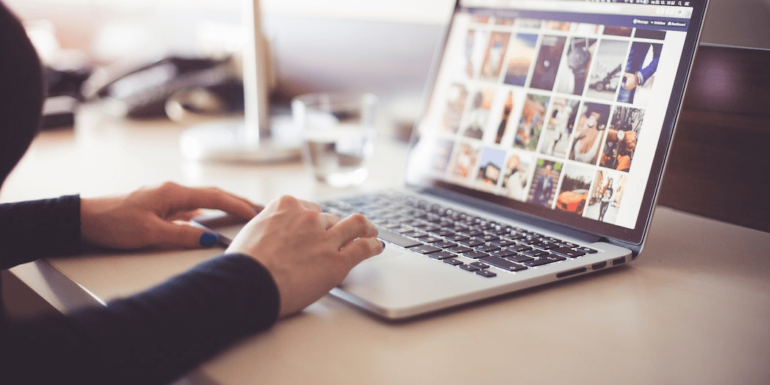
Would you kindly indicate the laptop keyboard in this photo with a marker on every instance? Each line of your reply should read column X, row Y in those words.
column 444, row 234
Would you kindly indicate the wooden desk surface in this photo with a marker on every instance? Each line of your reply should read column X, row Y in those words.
column 693, row 308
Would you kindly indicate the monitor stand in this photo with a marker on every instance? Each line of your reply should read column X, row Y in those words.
column 230, row 141
column 258, row 137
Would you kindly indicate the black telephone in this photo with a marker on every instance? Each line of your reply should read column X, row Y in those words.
column 141, row 91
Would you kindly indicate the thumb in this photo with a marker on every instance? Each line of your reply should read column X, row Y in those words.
column 183, row 235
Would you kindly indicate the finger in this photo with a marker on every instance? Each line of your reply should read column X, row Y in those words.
column 184, row 215
column 186, row 198
column 361, row 249
column 352, row 227
column 309, row 205
column 183, row 235
column 329, row 220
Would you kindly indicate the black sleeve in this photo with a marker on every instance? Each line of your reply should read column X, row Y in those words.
column 37, row 229
column 151, row 338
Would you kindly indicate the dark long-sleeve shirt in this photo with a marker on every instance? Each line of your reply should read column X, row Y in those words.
column 150, row 338
column 153, row 337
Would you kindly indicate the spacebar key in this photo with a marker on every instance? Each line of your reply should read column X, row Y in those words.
column 502, row 263
column 397, row 239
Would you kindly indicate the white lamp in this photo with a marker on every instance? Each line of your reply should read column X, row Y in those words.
column 252, row 139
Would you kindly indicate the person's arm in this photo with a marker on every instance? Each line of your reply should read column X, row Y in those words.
column 157, row 336
column 646, row 73
column 36, row 229
column 151, row 338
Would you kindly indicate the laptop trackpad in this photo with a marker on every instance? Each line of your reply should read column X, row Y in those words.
column 398, row 281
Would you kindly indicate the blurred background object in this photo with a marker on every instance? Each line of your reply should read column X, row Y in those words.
column 335, row 45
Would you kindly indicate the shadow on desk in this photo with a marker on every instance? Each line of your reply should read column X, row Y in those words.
column 719, row 165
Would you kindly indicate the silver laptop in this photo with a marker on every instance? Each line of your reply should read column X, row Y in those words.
column 538, row 155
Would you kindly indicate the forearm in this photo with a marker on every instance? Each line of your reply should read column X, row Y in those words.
column 154, row 337
column 37, row 229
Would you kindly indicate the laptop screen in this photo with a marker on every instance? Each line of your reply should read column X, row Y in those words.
column 559, row 109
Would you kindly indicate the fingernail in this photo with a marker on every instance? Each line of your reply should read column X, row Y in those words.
column 209, row 239
column 383, row 245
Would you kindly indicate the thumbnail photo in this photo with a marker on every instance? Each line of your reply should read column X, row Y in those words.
column 529, row 23
column 456, row 97
column 618, row 31
column 606, row 196
column 574, row 68
column 505, row 116
column 586, row 29
column 475, row 42
column 650, row 34
column 493, row 58
column 478, row 115
column 548, row 61
column 464, row 159
column 516, row 176
column 481, row 19
column 608, row 70
column 520, row 60
column 441, row 152
column 490, row 168
column 504, row 20
column 544, row 183
column 639, row 73
column 573, row 196
column 554, row 140
column 562, row 26
column 622, row 136
column 587, row 138
column 531, row 122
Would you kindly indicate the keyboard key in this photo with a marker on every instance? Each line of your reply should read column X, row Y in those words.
column 413, row 234
column 443, row 233
column 441, row 255
column 504, row 242
column 499, row 231
column 453, row 262
column 397, row 239
column 475, row 254
column 520, row 258
column 457, row 237
column 480, row 265
column 444, row 244
column 488, row 248
column 403, row 229
column 460, row 249
column 503, row 264
column 568, row 252
column 544, row 260
column 473, row 242
column 489, row 237
column 546, row 245
column 431, row 239
column 425, row 249
column 470, row 268
column 587, row 250
column 473, row 232
column 504, row 253
column 520, row 248
column 534, row 253
column 486, row 273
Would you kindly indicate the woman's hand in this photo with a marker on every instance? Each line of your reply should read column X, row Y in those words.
column 308, row 252
column 146, row 217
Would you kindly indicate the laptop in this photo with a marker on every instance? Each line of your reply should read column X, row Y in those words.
column 538, row 155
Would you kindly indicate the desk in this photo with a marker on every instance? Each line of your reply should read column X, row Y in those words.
column 694, row 308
